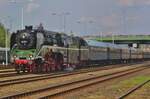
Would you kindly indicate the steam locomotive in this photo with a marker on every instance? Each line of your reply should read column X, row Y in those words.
column 38, row 50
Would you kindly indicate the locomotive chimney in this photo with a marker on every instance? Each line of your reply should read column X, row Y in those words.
column 28, row 27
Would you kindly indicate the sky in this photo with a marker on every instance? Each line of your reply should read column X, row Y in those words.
column 82, row 17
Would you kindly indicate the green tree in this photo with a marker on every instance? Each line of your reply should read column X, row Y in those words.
column 3, row 36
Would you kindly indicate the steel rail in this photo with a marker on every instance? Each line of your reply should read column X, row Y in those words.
column 114, row 75
column 50, row 76
column 5, row 71
column 133, row 89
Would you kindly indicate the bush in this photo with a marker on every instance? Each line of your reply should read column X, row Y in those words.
column 2, row 36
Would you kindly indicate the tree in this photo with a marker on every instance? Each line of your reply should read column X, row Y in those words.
column 2, row 35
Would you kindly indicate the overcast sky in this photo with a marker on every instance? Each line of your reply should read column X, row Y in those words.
column 85, row 16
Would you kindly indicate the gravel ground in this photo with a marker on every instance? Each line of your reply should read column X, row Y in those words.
column 33, row 85
column 7, row 73
column 115, row 88
column 24, row 76
column 142, row 93
column 20, row 76
column 2, row 67
column 7, row 70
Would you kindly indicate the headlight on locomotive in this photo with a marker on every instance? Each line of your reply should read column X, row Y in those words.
column 15, row 57
column 31, row 57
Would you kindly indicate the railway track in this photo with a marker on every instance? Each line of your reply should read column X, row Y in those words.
column 133, row 89
column 8, row 74
column 62, row 88
column 7, row 70
column 12, row 72
column 52, row 75
column 2, row 67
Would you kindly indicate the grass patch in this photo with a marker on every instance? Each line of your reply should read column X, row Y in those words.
column 127, row 84
column 115, row 90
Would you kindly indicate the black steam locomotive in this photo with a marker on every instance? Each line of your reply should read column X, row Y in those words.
column 38, row 50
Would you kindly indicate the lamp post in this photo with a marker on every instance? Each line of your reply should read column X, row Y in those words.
column 22, row 13
column 60, row 19
column 112, row 37
column 101, row 35
column 65, row 20
column 22, row 17
column 6, row 49
column 113, row 40
column 85, row 24
column 63, row 16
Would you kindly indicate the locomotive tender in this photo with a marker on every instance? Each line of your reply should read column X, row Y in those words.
column 38, row 50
